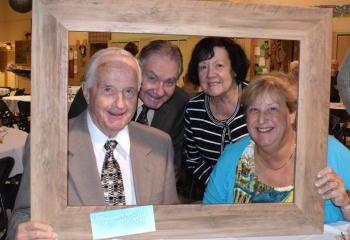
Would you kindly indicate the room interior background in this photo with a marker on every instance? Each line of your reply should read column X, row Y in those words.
column 15, row 38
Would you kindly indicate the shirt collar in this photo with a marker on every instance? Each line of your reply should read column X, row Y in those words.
column 139, row 103
column 99, row 138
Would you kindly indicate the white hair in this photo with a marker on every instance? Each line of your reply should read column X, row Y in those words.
column 95, row 62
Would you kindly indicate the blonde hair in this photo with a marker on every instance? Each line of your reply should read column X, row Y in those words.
column 276, row 84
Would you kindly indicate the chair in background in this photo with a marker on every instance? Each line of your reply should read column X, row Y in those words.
column 19, row 92
column 339, row 123
column 6, row 165
column 342, row 131
column 78, row 105
column 346, row 134
column 24, row 116
column 6, row 116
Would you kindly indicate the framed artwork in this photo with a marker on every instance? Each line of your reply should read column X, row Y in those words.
column 52, row 20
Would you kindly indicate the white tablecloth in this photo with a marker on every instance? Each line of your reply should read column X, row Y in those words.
column 13, row 146
column 11, row 101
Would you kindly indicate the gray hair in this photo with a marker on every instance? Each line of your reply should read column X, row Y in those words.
column 95, row 62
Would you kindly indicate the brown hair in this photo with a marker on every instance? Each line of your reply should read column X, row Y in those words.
column 275, row 83
column 163, row 48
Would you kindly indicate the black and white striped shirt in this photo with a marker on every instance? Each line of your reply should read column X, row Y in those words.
column 206, row 137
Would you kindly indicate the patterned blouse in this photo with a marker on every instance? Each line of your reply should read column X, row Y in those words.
column 249, row 189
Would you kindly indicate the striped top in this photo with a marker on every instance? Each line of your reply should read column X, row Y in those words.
column 206, row 137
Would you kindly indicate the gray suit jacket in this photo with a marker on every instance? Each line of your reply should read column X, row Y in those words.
column 151, row 154
column 169, row 118
column 343, row 81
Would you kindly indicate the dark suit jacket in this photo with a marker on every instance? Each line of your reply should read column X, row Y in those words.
column 169, row 118
column 152, row 166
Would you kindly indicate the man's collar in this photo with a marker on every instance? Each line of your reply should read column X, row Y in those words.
column 97, row 136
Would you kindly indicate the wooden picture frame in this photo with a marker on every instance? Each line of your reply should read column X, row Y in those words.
column 51, row 22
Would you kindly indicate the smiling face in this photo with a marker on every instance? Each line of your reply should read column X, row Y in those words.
column 159, row 75
column 113, row 95
column 215, row 74
column 269, row 121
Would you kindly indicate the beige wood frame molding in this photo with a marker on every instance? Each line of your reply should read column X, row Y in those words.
column 52, row 20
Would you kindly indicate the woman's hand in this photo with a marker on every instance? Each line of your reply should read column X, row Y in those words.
column 331, row 186
column 35, row 230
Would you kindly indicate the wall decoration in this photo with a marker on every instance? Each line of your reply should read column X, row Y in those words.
column 23, row 52
column 262, row 55
column 339, row 10
column 278, row 55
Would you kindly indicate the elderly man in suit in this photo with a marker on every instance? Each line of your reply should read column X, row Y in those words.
column 163, row 103
column 111, row 160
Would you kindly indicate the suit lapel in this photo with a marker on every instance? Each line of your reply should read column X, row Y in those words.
column 159, row 117
column 141, row 166
column 82, row 165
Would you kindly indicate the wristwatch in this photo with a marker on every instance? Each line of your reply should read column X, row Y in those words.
column 347, row 207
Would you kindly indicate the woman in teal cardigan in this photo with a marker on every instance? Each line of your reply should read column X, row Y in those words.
column 260, row 167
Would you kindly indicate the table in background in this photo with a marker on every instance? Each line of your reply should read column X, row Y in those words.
column 12, row 101
column 338, row 109
column 336, row 106
column 13, row 146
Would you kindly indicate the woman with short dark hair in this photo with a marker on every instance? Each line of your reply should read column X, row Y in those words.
column 213, row 118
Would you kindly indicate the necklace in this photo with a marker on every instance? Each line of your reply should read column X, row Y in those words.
column 291, row 156
column 220, row 111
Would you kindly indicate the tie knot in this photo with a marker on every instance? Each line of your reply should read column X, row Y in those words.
column 110, row 145
column 142, row 118
column 144, row 109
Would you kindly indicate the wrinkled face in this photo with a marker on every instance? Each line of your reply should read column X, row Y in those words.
column 215, row 74
column 113, row 95
column 159, row 76
column 269, row 121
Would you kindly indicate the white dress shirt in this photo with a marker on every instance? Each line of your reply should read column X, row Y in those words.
column 150, row 113
column 121, row 154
